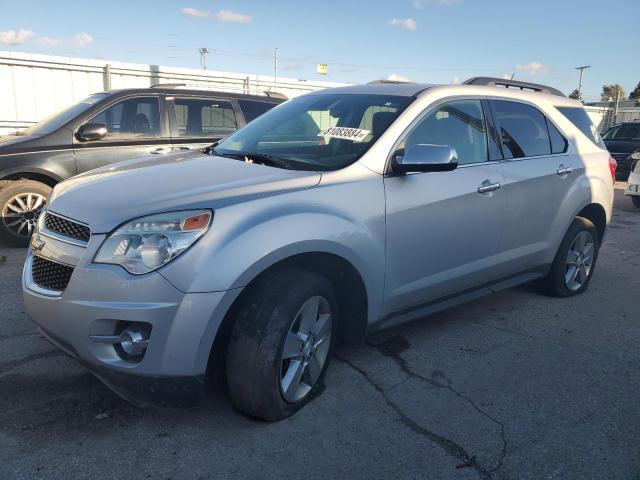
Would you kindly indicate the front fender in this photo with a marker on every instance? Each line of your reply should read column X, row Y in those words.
column 245, row 239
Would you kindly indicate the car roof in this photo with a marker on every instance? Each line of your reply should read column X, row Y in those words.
column 195, row 91
column 380, row 87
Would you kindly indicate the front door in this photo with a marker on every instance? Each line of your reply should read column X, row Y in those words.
column 443, row 228
column 135, row 128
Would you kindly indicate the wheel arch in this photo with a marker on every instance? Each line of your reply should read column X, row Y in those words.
column 345, row 277
column 596, row 213
column 36, row 175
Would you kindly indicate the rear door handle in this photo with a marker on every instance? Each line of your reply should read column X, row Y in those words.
column 562, row 170
column 488, row 187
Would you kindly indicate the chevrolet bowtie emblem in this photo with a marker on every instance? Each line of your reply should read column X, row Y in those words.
column 37, row 243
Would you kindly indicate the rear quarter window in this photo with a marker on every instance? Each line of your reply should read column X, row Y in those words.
column 252, row 109
column 581, row 120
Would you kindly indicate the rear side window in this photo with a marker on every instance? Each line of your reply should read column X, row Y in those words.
column 522, row 128
column 581, row 120
column 204, row 118
column 252, row 109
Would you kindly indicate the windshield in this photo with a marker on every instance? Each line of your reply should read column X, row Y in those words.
column 623, row 132
column 57, row 119
column 315, row 132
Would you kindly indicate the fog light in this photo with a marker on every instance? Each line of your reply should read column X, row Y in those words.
column 134, row 340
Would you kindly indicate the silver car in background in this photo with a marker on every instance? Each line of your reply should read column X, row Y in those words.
column 331, row 216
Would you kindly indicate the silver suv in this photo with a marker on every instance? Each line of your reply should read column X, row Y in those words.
column 331, row 216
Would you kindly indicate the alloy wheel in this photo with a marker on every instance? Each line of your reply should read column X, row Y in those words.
column 305, row 349
column 20, row 214
column 579, row 261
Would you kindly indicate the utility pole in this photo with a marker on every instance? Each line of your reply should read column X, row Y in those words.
column 203, row 57
column 615, row 112
column 582, row 69
column 275, row 70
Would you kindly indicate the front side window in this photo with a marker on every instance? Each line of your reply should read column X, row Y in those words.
column 204, row 118
column 132, row 118
column 315, row 132
column 522, row 128
column 458, row 124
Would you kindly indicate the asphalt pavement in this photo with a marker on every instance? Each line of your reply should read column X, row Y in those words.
column 513, row 386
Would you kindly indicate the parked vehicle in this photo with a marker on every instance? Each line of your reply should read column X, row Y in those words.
column 105, row 128
column 623, row 141
column 334, row 215
column 633, row 184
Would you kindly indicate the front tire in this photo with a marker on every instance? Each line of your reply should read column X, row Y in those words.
column 636, row 201
column 21, row 202
column 575, row 261
column 281, row 343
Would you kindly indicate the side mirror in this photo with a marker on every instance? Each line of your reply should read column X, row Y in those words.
column 425, row 158
column 91, row 131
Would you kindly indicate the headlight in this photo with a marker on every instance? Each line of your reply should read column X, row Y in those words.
column 635, row 155
column 145, row 244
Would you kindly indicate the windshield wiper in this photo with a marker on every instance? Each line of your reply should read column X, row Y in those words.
column 249, row 157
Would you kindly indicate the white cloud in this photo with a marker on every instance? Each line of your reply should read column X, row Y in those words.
column 82, row 40
column 394, row 77
column 420, row 4
column 12, row 37
column 49, row 42
column 232, row 17
column 455, row 80
column 195, row 13
column 534, row 68
column 408, row 23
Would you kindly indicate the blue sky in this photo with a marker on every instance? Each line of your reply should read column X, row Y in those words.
column 433, row 41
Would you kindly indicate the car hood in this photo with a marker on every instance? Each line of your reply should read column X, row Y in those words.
column 106, row 197
column 622, row 146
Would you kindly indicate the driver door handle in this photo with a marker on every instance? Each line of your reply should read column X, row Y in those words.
column 488, row 187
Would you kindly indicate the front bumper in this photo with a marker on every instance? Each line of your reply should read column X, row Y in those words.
column 633, row 184
column 97, row 297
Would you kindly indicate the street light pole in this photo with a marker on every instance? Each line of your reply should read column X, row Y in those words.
column 203, row 57
column 582, row 69
column 275, row 70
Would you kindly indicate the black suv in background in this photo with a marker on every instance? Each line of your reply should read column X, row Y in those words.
column 106, row 128
column 623, row 142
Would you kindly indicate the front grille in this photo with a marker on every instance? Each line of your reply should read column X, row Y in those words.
column 66, row 227
column 50, row 275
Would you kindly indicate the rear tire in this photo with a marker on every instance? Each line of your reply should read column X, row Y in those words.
column 21, row 202
column 281, row 343
column 575, row 261
column 636, row 201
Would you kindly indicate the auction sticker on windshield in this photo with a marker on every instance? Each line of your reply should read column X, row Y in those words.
column 354, row 134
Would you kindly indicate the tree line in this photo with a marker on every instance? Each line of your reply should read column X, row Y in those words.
column 612, row 91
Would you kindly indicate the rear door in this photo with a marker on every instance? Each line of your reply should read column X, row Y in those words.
column 198, row 121
column 136, row 126
column 538, row 173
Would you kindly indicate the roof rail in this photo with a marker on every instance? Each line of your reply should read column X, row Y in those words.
column 374, row 82
column 501, row 82
column 168, row 85
column 276, row 95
